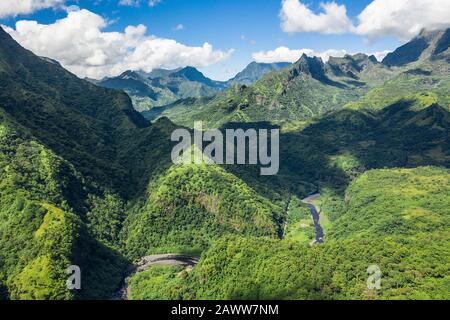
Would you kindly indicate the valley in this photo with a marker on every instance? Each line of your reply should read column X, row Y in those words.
column 315, row 214
column 86, row 179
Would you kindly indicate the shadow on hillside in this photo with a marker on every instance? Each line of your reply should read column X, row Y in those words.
column 340, row 146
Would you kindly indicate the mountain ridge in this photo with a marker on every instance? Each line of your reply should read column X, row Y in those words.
column 427, row 45
column 309, row 87
column 86, row 180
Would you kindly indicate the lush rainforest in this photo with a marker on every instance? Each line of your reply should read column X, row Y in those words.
column 87, row 180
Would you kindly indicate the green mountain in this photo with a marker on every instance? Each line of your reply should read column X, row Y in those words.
column 255, row 71
column 427, row 45
column 191, row 205
column 429, row 75
column 84, row 178
column 380, row 203
column 162, row 87
column 382, row 223
column 303, row 90
column 311, row 88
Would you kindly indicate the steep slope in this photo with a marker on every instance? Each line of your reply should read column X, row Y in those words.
column 192, row 74
column 60, row 148
column 42, row 233
column 192, row 205
column 359, row 67
column 74, row 118
column 427, row 74
column 427, row 45
column 407, row 240
column 338, row 147
column 311, row 88
column 303, row 90
column 77, row 163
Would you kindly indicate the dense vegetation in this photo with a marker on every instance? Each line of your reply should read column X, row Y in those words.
column 394, row 218
column 193, row 204
column 41, row 234
column 299, row 223
column 159, row 283
column 402, row 227
column 77, row 163
column 303, row 90
column 85, row 180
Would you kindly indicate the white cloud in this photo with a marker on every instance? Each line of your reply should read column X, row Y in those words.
column 380, row 55
column 81, row 46
column 16, row 7
column 153, row 3
column 403, row 18
column 297, row 17
column 284, row 54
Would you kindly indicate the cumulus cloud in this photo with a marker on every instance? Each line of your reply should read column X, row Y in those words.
column 380, row 55
column 297, row 17
column 284, row 54
column 402, row 18
column 81, row 46
column 16, row 7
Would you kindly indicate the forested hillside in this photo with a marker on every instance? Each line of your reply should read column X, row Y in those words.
column 311, row 88
column 396, row 219
column 86, row 180
column 77, row 163
column 401, row 228
column 42, row 205
column 303, row 90
column 192, row 205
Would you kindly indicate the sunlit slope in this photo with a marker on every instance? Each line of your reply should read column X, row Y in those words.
column 395, row 219
column 192, row 205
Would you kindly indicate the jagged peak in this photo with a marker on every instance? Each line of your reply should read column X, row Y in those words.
column 312, row 66
column 129, row 74
column 307, row 59
column 189, row 72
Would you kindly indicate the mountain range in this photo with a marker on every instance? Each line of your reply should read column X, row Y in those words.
column 310, row 87
column 86, row 180
column 162, row 87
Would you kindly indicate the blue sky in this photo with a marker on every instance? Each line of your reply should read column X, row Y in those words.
column 247, row 26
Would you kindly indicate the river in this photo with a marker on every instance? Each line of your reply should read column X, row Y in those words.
column 315, row 213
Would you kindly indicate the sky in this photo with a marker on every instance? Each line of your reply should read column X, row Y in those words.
column 220, row 37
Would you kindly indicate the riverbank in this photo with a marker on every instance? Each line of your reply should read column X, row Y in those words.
column 154, row 260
